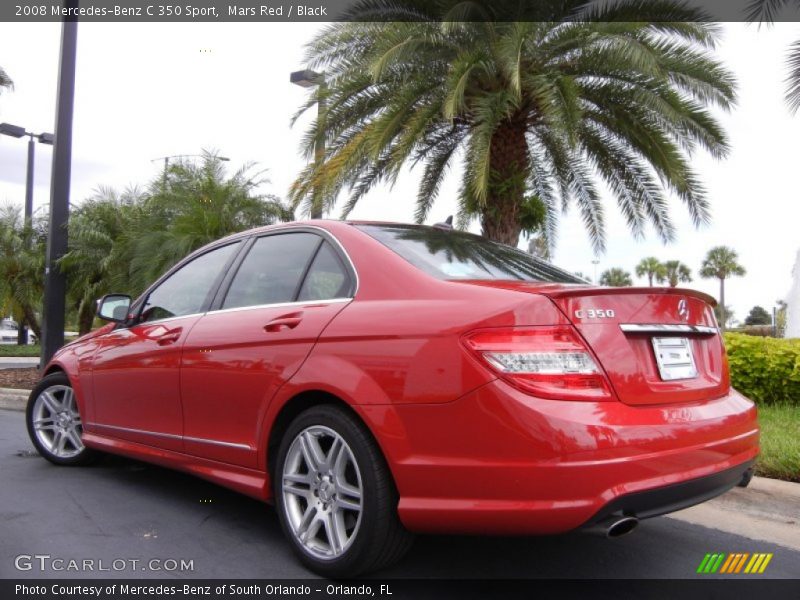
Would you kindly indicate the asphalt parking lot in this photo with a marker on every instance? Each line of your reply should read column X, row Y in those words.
column 121, row 509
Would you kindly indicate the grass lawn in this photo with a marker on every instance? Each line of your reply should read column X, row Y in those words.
column 780, row 442
column 14, row 350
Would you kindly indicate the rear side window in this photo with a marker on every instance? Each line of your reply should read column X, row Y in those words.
column 327, row 277
column 448, row 254
column 272, row 270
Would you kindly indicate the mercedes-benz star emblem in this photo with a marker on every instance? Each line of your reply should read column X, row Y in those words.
column 683, row 309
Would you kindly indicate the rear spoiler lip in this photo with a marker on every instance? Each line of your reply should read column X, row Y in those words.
column 607, row 291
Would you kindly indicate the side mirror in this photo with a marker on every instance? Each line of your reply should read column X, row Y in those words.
column 114, row 307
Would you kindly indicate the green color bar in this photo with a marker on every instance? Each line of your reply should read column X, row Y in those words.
column 710, row 564
column 718, row 563
column 702, row 566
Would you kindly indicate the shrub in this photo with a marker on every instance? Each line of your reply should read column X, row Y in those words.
column 766, row 370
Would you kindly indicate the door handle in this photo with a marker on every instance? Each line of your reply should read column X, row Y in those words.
column 169, row 338
column 289, row 321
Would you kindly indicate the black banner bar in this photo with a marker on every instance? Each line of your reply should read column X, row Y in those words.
column 243, row 11
column 319, row 589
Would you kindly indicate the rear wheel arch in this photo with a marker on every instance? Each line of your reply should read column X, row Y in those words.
column 301, row 402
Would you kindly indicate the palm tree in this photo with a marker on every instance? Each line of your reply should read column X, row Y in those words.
column 616, row 277
column 721, row 262
column 97, row 262
column 122, row 242
column 650, row 267
column 197, row 204
column 536, row 100
column 765, row 11
column 5, row 80
column 22, row 259
column 675, row 272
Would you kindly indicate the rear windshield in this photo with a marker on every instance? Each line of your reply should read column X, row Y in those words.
column 450, row 254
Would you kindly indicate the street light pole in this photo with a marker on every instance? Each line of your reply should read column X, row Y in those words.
column 308, row 78
column 55, row 286
column 45, row 138
column 29, row 182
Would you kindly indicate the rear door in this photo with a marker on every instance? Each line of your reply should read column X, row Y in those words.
column 278, row 300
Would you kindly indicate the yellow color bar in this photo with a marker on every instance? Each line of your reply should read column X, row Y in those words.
column 765, row 563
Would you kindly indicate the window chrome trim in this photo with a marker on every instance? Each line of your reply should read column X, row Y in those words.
column 172, row 436
column 280, row 304
column 665, row 328
column 165, row 319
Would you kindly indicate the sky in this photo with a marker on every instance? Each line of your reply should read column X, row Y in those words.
column 145, row 91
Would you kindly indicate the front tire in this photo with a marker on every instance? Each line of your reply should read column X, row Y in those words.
column 335, row 497
column 54, row 422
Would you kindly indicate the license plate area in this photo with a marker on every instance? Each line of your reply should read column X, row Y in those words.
column 674, row 358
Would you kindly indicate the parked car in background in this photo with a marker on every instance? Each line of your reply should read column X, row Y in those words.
column 9, row 330
column 373, row 380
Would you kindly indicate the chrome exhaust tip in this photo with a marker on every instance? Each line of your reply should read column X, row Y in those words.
column 622, row 526
column 615, row 526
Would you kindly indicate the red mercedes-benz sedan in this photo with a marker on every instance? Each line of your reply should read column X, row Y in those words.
column 377, row 379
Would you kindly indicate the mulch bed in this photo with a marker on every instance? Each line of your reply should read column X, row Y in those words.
column 23, row 379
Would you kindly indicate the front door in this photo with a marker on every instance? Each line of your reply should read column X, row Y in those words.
column 136, row 369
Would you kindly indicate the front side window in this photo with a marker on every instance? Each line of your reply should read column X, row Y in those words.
column 186, row 290
column 272, row 271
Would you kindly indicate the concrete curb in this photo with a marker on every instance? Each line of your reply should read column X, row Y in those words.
column 766, row 510
column 18, row 362
column 13, row 399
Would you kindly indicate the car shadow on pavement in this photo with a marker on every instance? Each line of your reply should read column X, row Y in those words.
column 224, row 520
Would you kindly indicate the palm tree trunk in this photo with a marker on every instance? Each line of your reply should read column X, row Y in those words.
column 723, row 312
column 30, row 319
column 85, row 317
column 500, row 218
column 650, row 280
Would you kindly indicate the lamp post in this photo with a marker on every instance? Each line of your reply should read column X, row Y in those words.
column 166, row 161
column 595, row 262
column 55, row 283
column 44, row 138
column 306, row 79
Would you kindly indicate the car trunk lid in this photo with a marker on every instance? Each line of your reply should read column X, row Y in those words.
column 656, row 345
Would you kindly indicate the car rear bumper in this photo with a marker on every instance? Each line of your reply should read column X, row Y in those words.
column 500, row 461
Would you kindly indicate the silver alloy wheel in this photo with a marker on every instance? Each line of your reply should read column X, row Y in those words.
column 57, row 422
column 322, row 492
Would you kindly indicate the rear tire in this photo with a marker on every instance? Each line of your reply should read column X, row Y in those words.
column 54, row 422
column 335, row 497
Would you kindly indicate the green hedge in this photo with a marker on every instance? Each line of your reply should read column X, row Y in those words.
column 766, row 370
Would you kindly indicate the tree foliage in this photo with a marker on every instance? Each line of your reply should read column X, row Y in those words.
column 651, row 268
column 536, row 101
column 758, row 316
column 122, row 242
column 721, row 263
column 765, row 11
column 5, row 80
column 22, row 251
column 616, row 277
column 675, row 272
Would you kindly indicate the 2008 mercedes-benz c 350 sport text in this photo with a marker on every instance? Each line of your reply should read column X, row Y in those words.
column 373, row 380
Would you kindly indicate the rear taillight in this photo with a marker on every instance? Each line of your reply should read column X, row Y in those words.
column 549, row 362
